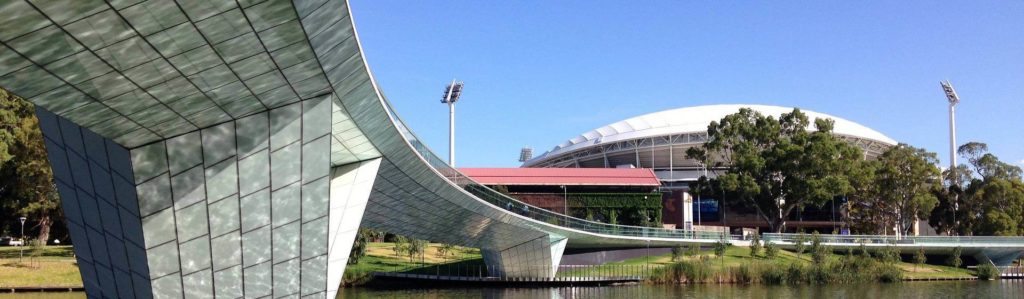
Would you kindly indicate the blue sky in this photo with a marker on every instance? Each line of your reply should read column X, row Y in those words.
column 540, row 72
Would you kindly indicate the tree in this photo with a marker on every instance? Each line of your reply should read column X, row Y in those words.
column 777, row 165
column 817, row 251
column 906, row 178
column 755, row 246
column 678, row 252
column 415, row 247
column 954, row 258
column 359, row 247
column 400, row 245
column 998, row 206
column 919, row 257
column 444, row 250
column 801, row 243
column 26, row 179
column 770, row 250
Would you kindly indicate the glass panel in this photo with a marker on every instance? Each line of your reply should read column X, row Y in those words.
column 128, row 54
column 154, row 15
column 154, row 195
column 195, row 255
column 132, row 102
column 222, row 180
column 188, row 187
column 195, row 60
column 224, row 26
column 79, row 67
column 184, row 152
column 176, row 40
column 315, row 199
column 286, row 278
column 269, row 14
column 284, row 165
column 167, row 287
column 158, row 228
column 256, row 246
column 286, row 242
column 229, row 282
column 224, row 216
column 202, row 9
column 282, row 35
column 218, row 143
column 314, row 238
column 257, row 280
column 63, row 12
column 252, row 134
column 198, row 285
column 240, row 47
column 285, row 205
column 285, row 126
column 21, row 18
column 253, row 66
column 257, row 210
column 314, row 275
column 163, row 259
column 29, row 81
column 227, row 251
column 192, row 222
column 46, row 45
column 100, row 30
column 212, row 78
column 316, row 159
column 255, row 172
column 152, row 73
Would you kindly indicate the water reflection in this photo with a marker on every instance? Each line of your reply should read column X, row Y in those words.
column 957, row 289
column 960, row 289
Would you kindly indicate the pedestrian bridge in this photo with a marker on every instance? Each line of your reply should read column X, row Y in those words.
column 1001, row 251
column 234, row 148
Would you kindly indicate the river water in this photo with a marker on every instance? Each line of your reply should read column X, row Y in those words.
column 951, row 289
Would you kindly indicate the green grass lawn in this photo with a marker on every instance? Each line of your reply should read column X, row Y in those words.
column 47, row 266
column 737, row 255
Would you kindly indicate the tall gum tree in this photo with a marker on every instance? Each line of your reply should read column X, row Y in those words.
column 777, row 165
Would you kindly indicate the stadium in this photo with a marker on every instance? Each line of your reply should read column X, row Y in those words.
column 659, row 141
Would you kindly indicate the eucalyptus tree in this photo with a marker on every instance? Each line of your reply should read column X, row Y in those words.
column 906, row 178
column 779, row 165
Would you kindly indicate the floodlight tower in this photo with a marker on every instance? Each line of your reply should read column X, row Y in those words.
column 953, row 99
column 451, row 95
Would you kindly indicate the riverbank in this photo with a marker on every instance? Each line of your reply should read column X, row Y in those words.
column 49, row 267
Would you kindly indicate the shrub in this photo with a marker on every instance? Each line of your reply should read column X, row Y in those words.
column 773, row 274
column 801, row 243
column 744, row 273
column 954, row 259
column 795, row 274
column 919, row 257
column 678, row 252
column 755, row 246
column 770, row 250
column 987, row 271
column 864, row 250
column 685, row 271
column 693, row 250
column 889, row 273
column 720, row 248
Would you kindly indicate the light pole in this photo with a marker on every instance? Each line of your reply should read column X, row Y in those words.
column 451, row 95
column 953, row 99
column 22, row 253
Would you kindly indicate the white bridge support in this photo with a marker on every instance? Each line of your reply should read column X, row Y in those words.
column 535, row 258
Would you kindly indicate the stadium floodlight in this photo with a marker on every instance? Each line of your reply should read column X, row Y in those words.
column 953, row 99
column 451, row 95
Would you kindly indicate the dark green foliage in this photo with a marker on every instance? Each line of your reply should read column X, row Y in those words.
column 720, row 248
column 954, row 259
column 26, row 179
column 987, row 271
column 755, row 246
column 768, row 158
column 919, row 257
column 774, row 274
column 864, row 250
column 818, row 252
column 770, row 250
column 693, row 249
column 801, row 243
column 359, row 247
column 678, row 252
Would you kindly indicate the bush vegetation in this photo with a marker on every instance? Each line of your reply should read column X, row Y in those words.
column 847, row 270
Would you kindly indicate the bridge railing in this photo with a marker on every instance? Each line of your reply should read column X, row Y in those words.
column 515, row 206
column 876, row 239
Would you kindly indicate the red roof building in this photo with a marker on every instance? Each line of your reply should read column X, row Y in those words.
column 638, row 177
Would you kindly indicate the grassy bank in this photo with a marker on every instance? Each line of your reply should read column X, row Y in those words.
column 737, row 266
column 50, row 266
column 381, row 257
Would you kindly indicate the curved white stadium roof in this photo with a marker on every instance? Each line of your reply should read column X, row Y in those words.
column 696, row 119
